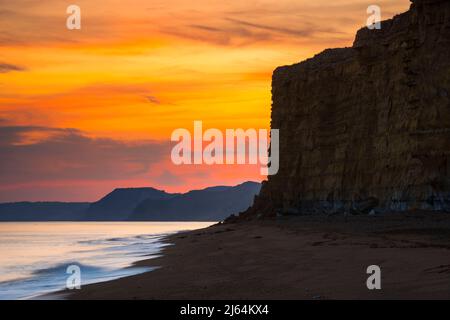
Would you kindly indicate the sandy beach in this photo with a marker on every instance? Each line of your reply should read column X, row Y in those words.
column 310, row 257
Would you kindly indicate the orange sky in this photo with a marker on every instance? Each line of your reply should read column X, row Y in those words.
column 85, row 111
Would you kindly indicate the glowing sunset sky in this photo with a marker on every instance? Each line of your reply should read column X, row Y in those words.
column 85, row 111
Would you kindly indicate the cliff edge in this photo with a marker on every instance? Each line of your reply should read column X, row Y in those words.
column 366, row 128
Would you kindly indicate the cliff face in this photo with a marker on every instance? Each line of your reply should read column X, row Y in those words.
column 367, row 127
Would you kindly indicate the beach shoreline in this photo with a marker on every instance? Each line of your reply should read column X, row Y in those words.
column 310, row 257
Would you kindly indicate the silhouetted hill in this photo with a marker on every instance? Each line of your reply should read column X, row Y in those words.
column 119, row 204
column 210, row 204
column 42, row 211
column 149, row 204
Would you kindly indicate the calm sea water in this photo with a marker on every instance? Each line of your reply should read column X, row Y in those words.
column 34, row 256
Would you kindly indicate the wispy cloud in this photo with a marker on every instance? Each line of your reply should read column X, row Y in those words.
column 41, row 154
column 153, row 99
column 303, row 32
column 7, row 67
column 234, row 23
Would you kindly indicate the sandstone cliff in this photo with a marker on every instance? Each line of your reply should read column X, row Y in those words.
column 368, row 127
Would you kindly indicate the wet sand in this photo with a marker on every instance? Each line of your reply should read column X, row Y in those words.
column 321, row 257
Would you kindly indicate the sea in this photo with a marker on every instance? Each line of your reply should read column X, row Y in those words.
column 38, row 258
